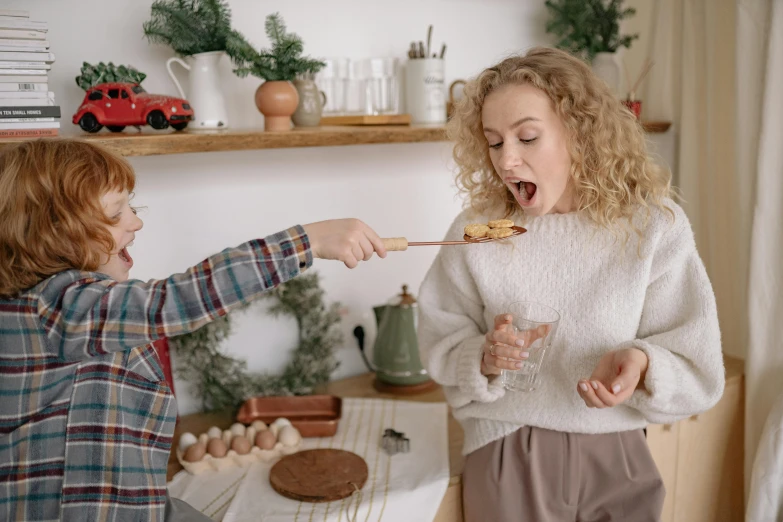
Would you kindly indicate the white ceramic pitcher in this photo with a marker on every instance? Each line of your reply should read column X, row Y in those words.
column 606, row 67
column 204, row 93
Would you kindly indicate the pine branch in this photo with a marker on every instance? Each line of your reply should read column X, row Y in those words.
column 189, row 27
column 587, row 27
column 282, row 62
column 310, row 65
column 217, row 15
column 275, row 28
column 173, row 27
column 239, row 49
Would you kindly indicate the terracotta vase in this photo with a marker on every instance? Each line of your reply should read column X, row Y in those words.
column 277, row 101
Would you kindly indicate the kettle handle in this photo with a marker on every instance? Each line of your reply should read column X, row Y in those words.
column 358, row 332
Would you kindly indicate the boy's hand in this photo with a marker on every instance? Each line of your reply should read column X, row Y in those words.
column 346, row 240
column 618, row 374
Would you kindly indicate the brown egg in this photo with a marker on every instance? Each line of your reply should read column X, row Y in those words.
column 217, row 448
column 240, row 444
column 195, row 452
column 266, row 440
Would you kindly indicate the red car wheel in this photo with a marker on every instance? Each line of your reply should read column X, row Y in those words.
column 89, row 123
column 157, row 120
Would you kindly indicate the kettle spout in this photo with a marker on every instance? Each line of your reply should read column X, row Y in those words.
column 379, row 314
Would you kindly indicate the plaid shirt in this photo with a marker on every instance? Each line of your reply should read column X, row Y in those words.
column 86, row 417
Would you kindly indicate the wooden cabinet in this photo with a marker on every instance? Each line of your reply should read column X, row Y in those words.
column 663, row 441
column 701, row 458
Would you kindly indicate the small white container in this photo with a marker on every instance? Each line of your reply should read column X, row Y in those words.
column 425, row 90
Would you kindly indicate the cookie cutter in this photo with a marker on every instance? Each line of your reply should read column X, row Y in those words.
column 394, row 442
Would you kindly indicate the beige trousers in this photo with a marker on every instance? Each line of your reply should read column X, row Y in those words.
column 538, row 475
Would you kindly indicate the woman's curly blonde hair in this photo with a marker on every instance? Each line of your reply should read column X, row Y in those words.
column 51, row 217
column 611, row 171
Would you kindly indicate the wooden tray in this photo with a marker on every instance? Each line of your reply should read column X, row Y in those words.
column 367, row 119
column 312, row 415
column 319, row 475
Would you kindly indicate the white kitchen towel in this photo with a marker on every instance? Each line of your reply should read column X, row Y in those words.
column 405, row 487
column 210, row 492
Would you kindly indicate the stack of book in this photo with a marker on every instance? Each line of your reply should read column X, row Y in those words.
column 27, row 106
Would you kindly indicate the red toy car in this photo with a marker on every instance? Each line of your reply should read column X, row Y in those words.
column 117, row 105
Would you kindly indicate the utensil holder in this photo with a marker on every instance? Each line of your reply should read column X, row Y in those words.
column 425, row 95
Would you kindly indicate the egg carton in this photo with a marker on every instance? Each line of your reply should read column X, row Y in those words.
column 232, row 459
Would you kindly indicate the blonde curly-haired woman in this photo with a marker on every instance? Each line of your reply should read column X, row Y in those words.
column 541, row 140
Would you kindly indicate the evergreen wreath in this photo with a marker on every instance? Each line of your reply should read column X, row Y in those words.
column 223, row 382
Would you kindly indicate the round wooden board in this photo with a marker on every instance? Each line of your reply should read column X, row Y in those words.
column 319, row 475
column 412, row 389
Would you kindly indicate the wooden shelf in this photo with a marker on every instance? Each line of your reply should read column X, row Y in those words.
column 653, row 127
column 151, row 143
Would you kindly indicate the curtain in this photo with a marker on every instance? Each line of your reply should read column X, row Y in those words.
column 760, row 21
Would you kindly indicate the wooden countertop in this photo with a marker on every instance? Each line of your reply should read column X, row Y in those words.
column 361, row 386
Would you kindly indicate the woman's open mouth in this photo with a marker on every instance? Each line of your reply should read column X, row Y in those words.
column 526, row 191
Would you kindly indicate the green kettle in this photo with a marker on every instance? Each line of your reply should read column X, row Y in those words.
column 391, row 349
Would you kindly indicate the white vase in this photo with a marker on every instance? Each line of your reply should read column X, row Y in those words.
column 606, row 67
column 204, row 93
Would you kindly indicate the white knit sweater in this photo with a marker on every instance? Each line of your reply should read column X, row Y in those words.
column 655, row 297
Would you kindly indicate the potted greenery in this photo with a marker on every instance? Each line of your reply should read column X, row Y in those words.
column 276, row 98
column 190, row 27
column 591, row 29
column 199, row 31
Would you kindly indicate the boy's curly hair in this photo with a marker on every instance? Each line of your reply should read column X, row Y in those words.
column 610, row 168
column 51, row 218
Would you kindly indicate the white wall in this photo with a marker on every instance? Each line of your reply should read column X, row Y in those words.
column 198, row 204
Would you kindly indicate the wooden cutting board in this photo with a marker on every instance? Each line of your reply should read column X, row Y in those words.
column 319, row 475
